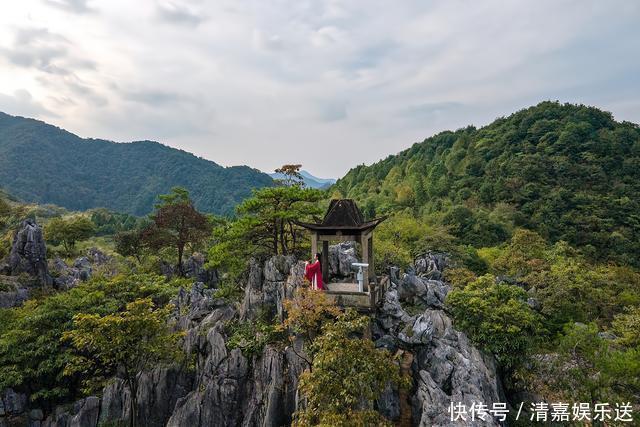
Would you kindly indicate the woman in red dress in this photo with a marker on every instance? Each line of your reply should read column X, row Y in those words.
column 313, row 272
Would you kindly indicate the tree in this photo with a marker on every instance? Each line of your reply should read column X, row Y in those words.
column 307, row 311
column 264, row 227
column 579, row 370
column 68, row 231
column 176, row 224
column 274, row 210
column 33, row 355
column 129, row 243
column 125, row 343
column 348, row 374
column 292, row 176
column 5, row 219
column 497, row 318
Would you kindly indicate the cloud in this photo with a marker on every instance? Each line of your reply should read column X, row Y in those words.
column 22, row 103
column 333, row 110
column 265, row 42
column 75, row 6
column 155, row 97
column 245, row 82
column 429, row 109
column 179, row 13
column 46, row 51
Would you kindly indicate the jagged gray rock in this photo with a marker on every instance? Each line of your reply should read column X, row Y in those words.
column 266, row 288
column 29, row 253
column 227, row 388
column 82, row 269
column 446, row 367
column 14, row 297
column 98, row 257
column 12, row 403
column 341, row 256
column 84, row 413
column 194, row 268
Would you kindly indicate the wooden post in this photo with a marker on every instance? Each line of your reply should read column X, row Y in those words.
column 364, row 243
column 325, row 260
column 314, row 244
column 372, row 269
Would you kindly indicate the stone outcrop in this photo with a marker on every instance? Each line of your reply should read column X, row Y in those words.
column 29, row 253
column 194, row 268
column 82, row 269
column 341, row 256
column 13, row 293
column 446, row 367
column 224, row 387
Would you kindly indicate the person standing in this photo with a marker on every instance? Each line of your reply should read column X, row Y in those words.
column 313, row 272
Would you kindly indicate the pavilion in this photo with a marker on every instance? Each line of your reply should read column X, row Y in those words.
column 344, row 221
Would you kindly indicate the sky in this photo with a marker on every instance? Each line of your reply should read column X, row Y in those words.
column 329, row 84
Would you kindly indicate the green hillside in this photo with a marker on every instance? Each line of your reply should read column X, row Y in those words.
column 45, row 164
column 568, row 172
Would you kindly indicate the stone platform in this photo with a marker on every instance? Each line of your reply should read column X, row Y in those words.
column 347, row 295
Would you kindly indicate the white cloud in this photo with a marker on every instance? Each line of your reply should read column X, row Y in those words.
column 329, row 83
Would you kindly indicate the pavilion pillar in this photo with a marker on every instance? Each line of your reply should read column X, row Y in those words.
column 372, row 269
column 314, row 245
column 325, row 260
column 364, row 246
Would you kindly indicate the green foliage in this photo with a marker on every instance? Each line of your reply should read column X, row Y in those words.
column 346, row 373
column 129, row 243
column 578, row 300
column 569, row 172
column 229, row 291
column 307, row 311
column 67, row 231
column 109, row 223
column 579, row 367
column 120, row 177
column 32, row 354
column 497, row 318
column 401, row 237
column 252, row 336
column 627, row 327
column 264, row 227
column 5, row 219
column 567, row 286
column 124, row 343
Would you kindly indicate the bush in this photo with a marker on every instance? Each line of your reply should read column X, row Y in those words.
column 32, row 354
column 497, row 318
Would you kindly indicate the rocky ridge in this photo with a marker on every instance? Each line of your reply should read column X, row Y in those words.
column 225, row 388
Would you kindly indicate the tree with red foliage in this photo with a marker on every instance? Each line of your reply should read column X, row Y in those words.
column 176, row 224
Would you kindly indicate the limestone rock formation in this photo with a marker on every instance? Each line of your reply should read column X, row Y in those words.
column 341, row 256
column 446, row 367
column 12, row 292
column 82, row 269
column 29, row 253
column 193, row 267
column 224, row 387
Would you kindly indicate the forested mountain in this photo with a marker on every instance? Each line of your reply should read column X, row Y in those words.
column 45, row 164
column 569, row 172
column 309, row 180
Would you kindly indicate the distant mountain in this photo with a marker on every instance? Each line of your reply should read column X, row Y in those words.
column 569, row 172
column 309, row 180
column 45, row 164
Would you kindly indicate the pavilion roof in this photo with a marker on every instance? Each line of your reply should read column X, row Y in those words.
column 342, row 215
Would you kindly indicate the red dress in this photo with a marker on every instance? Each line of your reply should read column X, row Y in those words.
column 313, row 273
